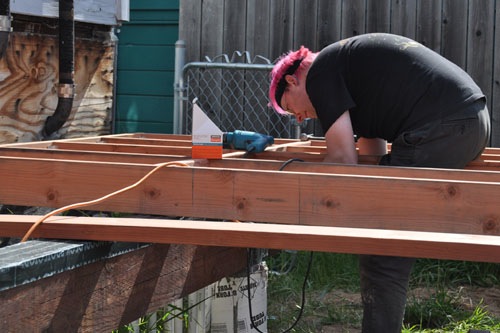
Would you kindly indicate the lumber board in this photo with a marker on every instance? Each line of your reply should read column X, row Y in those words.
column 117, row 147
column 306, row 198
column 365, row 170
column 94, row 156
column 137, row 140
column 485, row 248
column 105, row 295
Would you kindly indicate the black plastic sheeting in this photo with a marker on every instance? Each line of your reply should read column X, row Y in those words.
column 33, row 260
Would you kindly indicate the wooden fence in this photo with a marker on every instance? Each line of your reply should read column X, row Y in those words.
column 461, row 30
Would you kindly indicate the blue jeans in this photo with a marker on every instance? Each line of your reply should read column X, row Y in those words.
column 451, row 142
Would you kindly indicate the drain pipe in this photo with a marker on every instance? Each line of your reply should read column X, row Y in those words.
column 5, row 30
column 5, row 27
column 66, row 87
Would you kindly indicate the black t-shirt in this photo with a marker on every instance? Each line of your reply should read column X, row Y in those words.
column 388, row 83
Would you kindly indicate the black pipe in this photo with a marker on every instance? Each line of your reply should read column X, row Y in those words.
column 4, row 42
column 66, row 88
column 5, row 26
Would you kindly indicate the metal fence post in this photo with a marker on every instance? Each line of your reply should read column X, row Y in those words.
column 180, row 59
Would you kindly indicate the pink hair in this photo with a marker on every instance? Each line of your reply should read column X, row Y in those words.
column 281, row 68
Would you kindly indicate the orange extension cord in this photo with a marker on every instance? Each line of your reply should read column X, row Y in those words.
column 101, row 199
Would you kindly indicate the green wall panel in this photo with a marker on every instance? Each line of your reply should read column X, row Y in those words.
column 142, row 16
column 145, row 127
column 144, row 82
column 144, row 108
column 149, row 34
column 146, row 57
column 154, row 4
column 145, row 67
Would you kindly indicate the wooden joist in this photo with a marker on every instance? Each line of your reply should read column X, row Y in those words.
column 250, row 187
column 447, row 204
column 482, row 248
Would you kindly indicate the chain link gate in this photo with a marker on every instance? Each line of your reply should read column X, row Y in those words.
column 234, row 95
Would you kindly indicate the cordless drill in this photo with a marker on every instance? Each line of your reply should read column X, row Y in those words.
column 245, row 140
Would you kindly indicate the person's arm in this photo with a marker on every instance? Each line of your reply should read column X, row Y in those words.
column 373, row 146
column 340, row 145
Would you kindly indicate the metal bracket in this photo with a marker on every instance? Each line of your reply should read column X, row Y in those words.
column 5, row 23
column 66, row 90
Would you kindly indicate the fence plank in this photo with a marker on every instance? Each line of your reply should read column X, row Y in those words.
column 480, row 40
column 281, row 41
column 305, row 17
column 213, row 44
column 378, row 18
column 233, row 83
column 282, row 27
column 353, row 18
column 454, row 42
column 429, row 24
column 190, row 28
column 258, row 36
column 404, row 18
column 234, row 27
column 328, row 26
column 212, row 27
column 258, row 23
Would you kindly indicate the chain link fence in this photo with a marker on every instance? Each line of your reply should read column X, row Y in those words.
column 234, row 95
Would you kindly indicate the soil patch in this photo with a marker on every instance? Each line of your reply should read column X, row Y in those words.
column 350, row 305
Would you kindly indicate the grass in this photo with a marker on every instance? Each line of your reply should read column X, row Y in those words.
column 328, row 272
column 156, row 322
column 334, row 282
column 435, row 303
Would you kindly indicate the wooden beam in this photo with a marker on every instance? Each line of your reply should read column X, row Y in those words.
column 257, row 235
column 93, row 156
column 108, row 294
column 159, row 136
column 342, row 200
column 124, row 148
column 361, row 170
column 147, row 141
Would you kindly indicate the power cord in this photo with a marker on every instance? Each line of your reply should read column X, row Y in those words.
column 101, row 199
column 306, row 276
column 303, row 300
column 140, row 181
column 284, row 165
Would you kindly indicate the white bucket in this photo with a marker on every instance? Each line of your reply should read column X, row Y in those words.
column 229, row 309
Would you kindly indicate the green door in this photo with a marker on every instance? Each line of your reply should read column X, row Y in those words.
column 145, row 70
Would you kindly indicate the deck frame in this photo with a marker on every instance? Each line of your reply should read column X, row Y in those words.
column 309, row 205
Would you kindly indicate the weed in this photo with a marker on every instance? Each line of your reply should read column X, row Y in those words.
column 479, row 319
column 448, row 272
column 332, row 295
column 437, row 310
column 334, row 278
column 156, row 322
